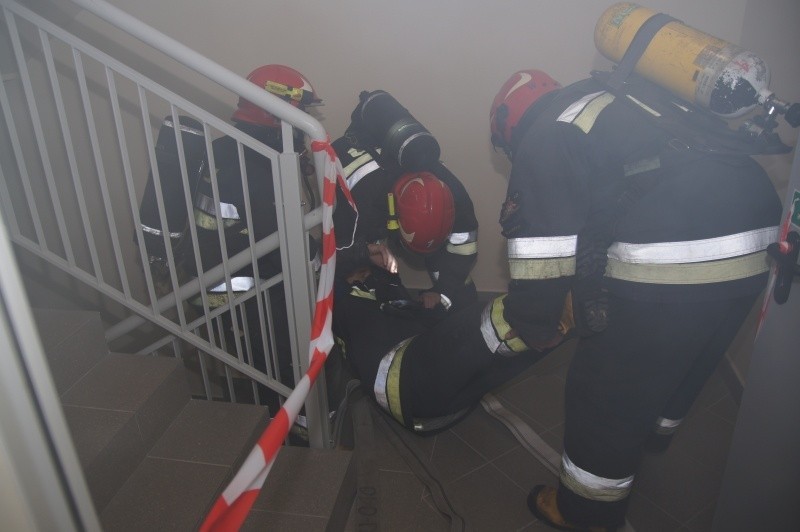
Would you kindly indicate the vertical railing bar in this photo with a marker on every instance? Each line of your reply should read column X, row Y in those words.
column 193, row 232
column 127, row 172
column 17, row 147
column 223, row 245
column 41, row 144
column 282, row 245
column 71, row 158
column 151, row 154
column 102, row 179
column 201, row 357
column 252, row 242
column 8, row 206
column 177, row 350
column 223, row 344
column 168, row 241
column 22, row 167
column 273, row 345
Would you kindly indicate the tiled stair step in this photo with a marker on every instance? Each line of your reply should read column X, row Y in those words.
column 117, row 412
column 74, row 342
column 181, row 476
column 306, row 490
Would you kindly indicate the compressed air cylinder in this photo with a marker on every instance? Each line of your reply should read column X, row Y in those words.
column 695, row 66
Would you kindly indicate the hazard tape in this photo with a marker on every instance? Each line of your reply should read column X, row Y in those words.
column 231, row 508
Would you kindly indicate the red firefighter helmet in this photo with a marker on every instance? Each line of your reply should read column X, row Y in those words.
column 514, row 98
column 425, row 211
column 282, row 81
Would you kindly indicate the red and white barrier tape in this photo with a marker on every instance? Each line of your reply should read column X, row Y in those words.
column 231, row 508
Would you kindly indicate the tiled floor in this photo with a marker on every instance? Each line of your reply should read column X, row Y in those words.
column 488, row 474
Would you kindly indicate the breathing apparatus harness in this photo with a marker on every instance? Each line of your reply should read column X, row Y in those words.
column 691, row 133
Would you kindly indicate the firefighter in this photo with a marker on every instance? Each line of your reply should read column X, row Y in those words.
column 426, row 367
column 233, row 209
column 659, row 247
column 365, row 238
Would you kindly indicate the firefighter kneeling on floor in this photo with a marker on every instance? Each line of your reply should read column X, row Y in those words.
column 426, row 367
column 388, row 158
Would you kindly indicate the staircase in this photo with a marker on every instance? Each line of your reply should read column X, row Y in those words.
column 155, row 459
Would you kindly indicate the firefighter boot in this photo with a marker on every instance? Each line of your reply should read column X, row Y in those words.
column 542, row 504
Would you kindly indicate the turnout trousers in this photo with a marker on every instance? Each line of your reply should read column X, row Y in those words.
column 649, row 364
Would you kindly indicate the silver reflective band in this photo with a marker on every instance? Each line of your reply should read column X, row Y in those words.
column 363, row 171
column 409, row 140
column 185, row 129
column 463, row 238
column 572, row 111
column 383, row 372
column 723, row 247
column 542, row 247
column 487, row 329
column 667, row 426
column 228, row 211
column 591, row 486
column 238, row 284
column 158, row 232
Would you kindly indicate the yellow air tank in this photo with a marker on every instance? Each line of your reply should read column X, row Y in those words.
column 695, row 66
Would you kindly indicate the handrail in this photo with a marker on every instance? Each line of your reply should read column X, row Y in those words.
column 212, row 276
column 293, row 225
column 212, row 70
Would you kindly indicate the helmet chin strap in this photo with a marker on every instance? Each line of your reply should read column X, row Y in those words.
column 498, row 140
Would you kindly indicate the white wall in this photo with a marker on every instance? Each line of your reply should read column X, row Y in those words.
column 443, row 59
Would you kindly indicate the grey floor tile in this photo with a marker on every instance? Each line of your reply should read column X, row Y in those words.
column 540, row 398
column 453, row 458
column 524, row 469
column 676, row 483
column 488, row 436
column 645, row 516
column 492, row 502
column 403, row 507
column 705, row 437
column 703, row 522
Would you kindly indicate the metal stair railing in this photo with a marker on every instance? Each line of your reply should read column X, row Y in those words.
column 79, row 126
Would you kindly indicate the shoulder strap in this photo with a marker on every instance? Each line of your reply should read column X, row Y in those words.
column 636, row 49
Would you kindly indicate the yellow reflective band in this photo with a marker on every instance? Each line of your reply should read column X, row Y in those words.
column 586, row 118
column 584, row 112
column 693, row 273
column 494, row 329
column 206, row 221
column 393, row 383
column 356, row 291
column 541, row 268
column 284, row 90
column 470, row 248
